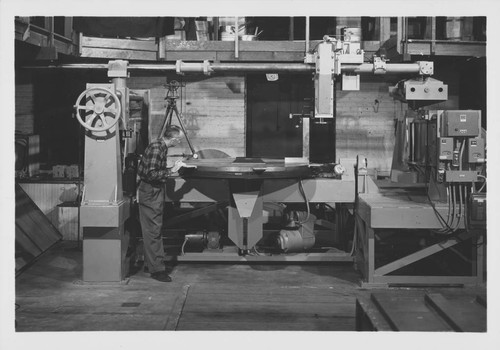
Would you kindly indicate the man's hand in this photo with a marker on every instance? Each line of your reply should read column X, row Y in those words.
column 178, row 164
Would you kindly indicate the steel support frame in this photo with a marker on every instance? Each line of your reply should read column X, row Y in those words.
column 230, row 254
column 205, row 210
column 216, row 194
column 378, row 277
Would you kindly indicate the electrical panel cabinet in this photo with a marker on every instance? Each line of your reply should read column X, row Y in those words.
column 478, row 207
column 476, row 150
column 460, row 123
column 445, row 148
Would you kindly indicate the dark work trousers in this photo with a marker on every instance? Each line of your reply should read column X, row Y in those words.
column 151, row 204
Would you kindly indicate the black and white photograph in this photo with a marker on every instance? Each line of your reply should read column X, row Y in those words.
column 225, row 174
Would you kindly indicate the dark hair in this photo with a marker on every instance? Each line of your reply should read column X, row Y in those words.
column 172, row 131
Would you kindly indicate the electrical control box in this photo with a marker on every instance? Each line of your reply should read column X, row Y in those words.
column 460, row 176
column 460, row 123
column 475, row 150
column 445, row 148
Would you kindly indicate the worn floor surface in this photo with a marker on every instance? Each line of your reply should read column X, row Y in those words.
column 50, row 296
column 202, row 296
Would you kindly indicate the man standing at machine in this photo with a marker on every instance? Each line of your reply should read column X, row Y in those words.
column 153, row 173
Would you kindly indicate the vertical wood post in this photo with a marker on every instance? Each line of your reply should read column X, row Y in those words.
column 307, row 34
column 236, row 38
column 371, row 253
column 162, row 45
column 385, row 29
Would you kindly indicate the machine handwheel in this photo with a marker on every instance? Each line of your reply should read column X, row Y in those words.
column 98, row 109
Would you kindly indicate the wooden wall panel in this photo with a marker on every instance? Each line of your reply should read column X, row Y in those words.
column 363, row 128
column 212, row 110
column 25, row 120
column 68, row 223
column 47, row 196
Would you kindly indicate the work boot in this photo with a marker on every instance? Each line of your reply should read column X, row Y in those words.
column 170, row 266
column 161, row 276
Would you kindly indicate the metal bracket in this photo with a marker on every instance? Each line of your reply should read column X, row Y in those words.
column 182, row 67
column 379, row 65
column 117, row 69
column 426, row 67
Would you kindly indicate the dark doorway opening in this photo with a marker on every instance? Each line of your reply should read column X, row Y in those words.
column 271, row 133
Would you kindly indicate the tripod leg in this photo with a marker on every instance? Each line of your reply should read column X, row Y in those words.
column 168, row 119
column 184, row 130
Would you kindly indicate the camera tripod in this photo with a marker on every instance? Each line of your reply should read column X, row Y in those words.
column 171, row 98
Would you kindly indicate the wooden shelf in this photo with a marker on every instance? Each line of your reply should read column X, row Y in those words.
column 217, row 51
column 275, row 51
column 446, row 48
column 41, row 37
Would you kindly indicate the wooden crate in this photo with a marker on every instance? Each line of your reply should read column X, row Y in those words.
column 34, row 232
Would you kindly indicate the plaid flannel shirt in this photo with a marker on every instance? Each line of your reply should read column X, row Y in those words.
column 153, row 166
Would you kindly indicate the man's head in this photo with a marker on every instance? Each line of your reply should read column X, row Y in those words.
column 172, row 135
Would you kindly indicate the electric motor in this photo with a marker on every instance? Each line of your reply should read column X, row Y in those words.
column 292, row 241
column 213, row 240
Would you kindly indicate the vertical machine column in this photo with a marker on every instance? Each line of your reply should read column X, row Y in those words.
column 102, row 109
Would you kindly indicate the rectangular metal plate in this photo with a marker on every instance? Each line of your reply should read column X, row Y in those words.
column 460, row 176
column 104, row 215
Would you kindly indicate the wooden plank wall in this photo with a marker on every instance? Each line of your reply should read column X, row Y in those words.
column 24, row 102
column 363, row 128
column 212, row 110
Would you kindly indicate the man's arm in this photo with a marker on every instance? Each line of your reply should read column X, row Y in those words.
column 152, row 162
